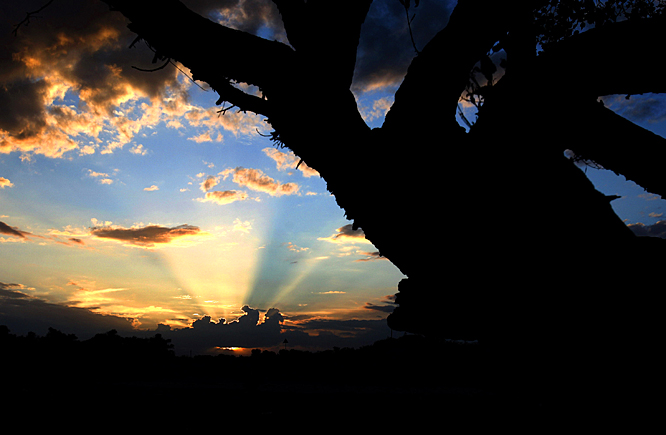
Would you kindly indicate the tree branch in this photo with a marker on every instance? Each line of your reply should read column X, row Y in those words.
column 28, row 16
column 438, row 75
column 214, row 53
column 617, row 58
column 621, row 146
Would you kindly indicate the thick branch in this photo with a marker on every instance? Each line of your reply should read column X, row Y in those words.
column 325, row 34
column 214, row 53
column 620, row 145
column 438, row 75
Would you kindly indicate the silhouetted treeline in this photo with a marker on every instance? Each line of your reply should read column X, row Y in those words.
column 60, row 358
column 409, row 375
column 411, row 360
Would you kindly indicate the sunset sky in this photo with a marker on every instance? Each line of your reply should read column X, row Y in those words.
column 128, row 202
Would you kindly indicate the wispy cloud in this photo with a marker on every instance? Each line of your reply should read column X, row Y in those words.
column 151, row 188
column 102, row 177
column 224, row 197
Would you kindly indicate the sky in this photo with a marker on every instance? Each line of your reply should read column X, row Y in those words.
column 128, row 202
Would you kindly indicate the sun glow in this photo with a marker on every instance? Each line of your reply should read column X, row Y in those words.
column 216, row 275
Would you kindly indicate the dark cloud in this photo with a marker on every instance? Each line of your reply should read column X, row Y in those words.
column 259, row 17
column 650, row 108
column 83, row 48
column 23, row 313
column 147, row 236
column 381, row 308
column 655, row 230
column 21, row 108
column 371, row 256
column 347, row 234
column 328, row 333
column 638, row 108
column 205, row 334
column 385, row 49
column 12, row 231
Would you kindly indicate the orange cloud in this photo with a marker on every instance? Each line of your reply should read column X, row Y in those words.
column 209, row 183
column 5, row 183
column 256, row 180
column 82, row 55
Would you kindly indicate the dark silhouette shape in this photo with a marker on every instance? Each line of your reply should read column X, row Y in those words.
column 546, row 270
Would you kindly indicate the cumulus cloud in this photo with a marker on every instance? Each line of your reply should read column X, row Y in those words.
column 139, row 150
column 149, row 236
column 346, row 234
column 251, row 331
column 256, row 180
column 206, row 335
column 224, row 197
column 67, row 84
column 242, row 226
column 209, row 183
column 151, row 188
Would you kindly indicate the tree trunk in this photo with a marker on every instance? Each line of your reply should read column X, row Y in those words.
column 497, row 231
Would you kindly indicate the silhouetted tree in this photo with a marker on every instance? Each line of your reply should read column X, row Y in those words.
column 502, row 233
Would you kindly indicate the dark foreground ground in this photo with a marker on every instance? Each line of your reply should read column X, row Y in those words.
column 397, row 385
